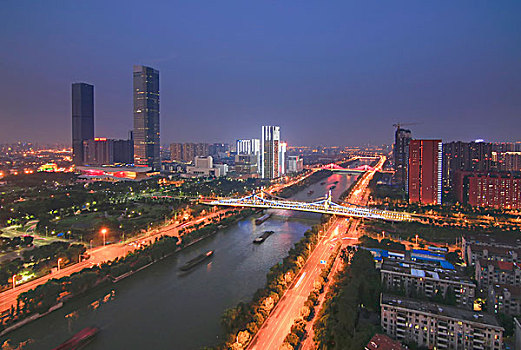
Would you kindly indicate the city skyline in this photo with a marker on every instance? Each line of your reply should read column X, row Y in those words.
column 452, row 68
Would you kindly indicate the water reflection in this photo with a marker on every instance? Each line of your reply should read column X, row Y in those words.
column 159, row 308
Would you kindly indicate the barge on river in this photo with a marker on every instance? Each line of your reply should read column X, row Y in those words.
column 263, row 237
column 197, row 260
column 263, row 218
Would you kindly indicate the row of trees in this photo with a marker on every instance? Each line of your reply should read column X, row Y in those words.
column 313, row 178
column 356, row 291
column 44, row 296
column 7, row 243
column 298, row 331
column 243, row 321
column 385, row 243
column 40, row 260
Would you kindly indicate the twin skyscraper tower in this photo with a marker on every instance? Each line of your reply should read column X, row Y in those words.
column 145, row 140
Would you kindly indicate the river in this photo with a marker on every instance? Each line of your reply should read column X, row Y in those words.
column 160, row 308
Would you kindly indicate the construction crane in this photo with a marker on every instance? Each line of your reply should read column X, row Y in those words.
column 399, row 125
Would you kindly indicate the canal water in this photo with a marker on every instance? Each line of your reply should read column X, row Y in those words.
column 160, row 308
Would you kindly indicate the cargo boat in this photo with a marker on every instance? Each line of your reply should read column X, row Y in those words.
column 263, row 237
column 80, row 339
column 197, row 260
column 262, row 219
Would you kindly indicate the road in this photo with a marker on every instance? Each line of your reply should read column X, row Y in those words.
column 109, row 252
column 99, row 255
column 279, row 322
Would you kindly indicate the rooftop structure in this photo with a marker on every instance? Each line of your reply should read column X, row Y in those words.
column 438, row 326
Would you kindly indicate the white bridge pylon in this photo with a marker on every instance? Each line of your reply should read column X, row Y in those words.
column 322, row 206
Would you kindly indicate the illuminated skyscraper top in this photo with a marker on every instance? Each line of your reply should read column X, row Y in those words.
column 82, row 118
column 146, row 117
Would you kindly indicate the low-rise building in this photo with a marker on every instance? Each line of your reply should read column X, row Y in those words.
column 491, row 272
column 473, row 246
column 476, row 252
column 427, row 280
column 383, row 342
column 104, row 173
column 504, row 299
column 204, row 167
column 246, row 164
column 438, row 326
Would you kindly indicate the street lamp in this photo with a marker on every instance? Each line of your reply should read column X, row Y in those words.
column 103, row 232
column 59, row 260
column 14, row 281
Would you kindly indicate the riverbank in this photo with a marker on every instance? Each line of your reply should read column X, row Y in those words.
column 185, row 308
column 40, row 301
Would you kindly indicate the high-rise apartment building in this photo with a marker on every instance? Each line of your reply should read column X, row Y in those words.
column 103, row 151
column 402, row 137
column 295, row 164
column 248, row 146
column 82, row 118
column 124, row 151
column 500, row 190
column 202, row 150
column 466, row 156
column 188, row 152
column 99, row 151
column 146, row 117
column 176, row 152
column 270, row 152
column 282, row 158
column 425, row 171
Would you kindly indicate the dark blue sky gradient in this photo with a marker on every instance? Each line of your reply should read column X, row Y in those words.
column 328, row 72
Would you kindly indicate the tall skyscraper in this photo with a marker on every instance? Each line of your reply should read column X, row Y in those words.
column 425, row 171
column 402, row 137
column 146, row 117
column 282, row 158
column 82, row 118
column 270, row 152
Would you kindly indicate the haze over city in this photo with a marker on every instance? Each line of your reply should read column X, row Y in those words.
column 329, row 73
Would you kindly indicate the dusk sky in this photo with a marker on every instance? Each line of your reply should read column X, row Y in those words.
column 327, row 72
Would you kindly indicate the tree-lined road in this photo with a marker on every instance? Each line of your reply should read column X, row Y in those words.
column 100, row 255
column 278, row 324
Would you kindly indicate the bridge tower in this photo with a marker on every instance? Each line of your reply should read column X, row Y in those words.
column 328, row 201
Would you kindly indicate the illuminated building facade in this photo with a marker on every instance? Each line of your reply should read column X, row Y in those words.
column 82, row 118
column 500, row 190
column 295, row 164
column 146, row 117
column 282, row 158
column 270, row 152
column 103, row 173
column 425, row 171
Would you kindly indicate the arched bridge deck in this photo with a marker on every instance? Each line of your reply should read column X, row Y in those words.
column 323, row 206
